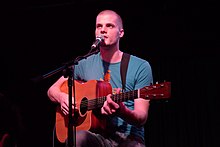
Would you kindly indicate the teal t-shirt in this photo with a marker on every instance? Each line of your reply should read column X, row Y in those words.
column 139, row 74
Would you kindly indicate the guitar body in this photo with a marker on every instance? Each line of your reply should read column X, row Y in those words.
column 86, row 119
column 91, row 95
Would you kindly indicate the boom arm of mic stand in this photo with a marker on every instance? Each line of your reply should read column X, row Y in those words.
column 62, row 68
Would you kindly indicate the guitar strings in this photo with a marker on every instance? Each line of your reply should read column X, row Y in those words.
column 93, row 103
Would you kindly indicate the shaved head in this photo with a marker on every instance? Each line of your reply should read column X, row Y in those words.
column 119, row 20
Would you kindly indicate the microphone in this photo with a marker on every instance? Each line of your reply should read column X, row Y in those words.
column 97, row 41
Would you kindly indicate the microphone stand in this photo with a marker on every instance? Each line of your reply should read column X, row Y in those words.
column 72, row 120
column 68, row 72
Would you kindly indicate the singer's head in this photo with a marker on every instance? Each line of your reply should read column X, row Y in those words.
column 109, row 25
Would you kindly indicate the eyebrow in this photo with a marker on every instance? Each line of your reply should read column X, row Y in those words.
column 107, row 24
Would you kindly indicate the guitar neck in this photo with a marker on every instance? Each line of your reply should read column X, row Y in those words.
column 155, row 91
column 121, row 97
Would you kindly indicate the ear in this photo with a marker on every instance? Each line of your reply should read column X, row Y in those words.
column 121, row 33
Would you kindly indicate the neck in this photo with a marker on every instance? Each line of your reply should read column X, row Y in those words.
column 111, row 55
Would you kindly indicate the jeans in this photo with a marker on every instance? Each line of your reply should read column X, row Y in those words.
column 89, row 139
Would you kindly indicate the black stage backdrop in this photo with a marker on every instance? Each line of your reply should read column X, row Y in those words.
column 179, row 38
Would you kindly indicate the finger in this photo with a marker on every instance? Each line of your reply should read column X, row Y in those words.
column 113, row 110
column 107, row 109
column 112, row 104
column 64, row 110
column 103, row 108
column 103, row 111
column 64, row 107
column 118, row 90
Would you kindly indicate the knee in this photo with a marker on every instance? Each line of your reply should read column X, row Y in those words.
column 81, row 137
column 85, row 139
column 81, row 134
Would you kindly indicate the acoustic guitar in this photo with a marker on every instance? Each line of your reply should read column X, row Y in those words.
column 92, row 94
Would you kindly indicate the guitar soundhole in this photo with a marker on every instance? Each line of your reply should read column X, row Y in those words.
column 84, row 106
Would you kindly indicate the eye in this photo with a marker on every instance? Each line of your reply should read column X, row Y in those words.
column 110, row 26
column 98, row 26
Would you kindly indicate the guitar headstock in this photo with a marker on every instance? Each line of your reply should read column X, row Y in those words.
column 156, row 91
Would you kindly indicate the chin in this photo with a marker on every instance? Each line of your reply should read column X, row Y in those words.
column 103, row 45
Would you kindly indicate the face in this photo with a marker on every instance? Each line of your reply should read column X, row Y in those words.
column 108, row 25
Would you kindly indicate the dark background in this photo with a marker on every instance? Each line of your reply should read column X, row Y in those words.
column 179, row 38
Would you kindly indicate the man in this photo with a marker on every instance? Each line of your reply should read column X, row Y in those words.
column 125, row 120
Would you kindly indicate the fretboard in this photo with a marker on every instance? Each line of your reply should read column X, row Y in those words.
column 121, row 97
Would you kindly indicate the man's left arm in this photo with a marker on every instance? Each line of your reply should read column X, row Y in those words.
column 138, row 116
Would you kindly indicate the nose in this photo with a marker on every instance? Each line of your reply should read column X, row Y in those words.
column 103, row 29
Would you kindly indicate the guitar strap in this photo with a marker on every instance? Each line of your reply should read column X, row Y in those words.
column 123, row 69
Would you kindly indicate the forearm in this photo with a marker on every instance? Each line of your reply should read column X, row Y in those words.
column 54, row 92
column 132, row 117
column 137, row 117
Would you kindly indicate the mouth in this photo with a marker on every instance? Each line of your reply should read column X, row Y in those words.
column 102, row 36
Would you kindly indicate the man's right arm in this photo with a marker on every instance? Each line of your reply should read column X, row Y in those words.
column 56, row 95
column 54, row 92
